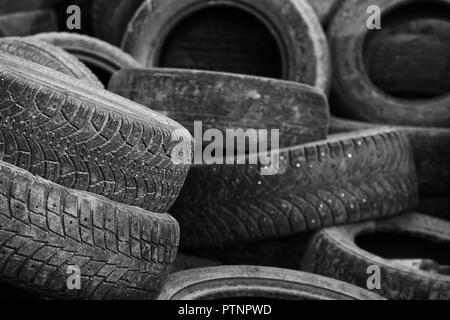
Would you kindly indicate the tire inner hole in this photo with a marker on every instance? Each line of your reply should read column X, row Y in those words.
column 409, row 58
column 223, row 38
column 404, row 246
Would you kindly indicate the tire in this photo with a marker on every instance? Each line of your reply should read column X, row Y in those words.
column 357, row 96
column 345, row 179
column 111, row 18
column 48, row 56
column 89, row 139
column 287, row 32
column 102, row 58
column 11, row 6
column 325, row 9
column 185, row 262
column 122, row 251
column 438, row 206
column 232, row 282
column 27, row 23
column 411, row 66
column 335, row 253
column 431, row 148
column 223, row 101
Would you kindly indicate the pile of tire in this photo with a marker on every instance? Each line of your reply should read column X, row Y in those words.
column 104, row 169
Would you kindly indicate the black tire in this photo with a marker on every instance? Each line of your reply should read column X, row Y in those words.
column 411, row 66
column 335, row 253
column 10, row 6
column 286, row 39
column 357, row 96
column 100, row 57
column 28, row 23
column 345, row 179
column 437, row 206
column 89, row 139
column 111, row 18
column 233, row 282
column 431, row 148
column 185, row 262
column 49, row 56
column 325, row 9
column 122, row 251
column 227, row 101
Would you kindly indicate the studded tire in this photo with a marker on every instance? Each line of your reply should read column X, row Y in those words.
column 345, row 179
column 89, row 139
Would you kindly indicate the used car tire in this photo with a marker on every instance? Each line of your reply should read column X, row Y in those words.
column 335, row 252
column 227, row 101
column 48, row 56
column 89, row 139
column 345, row 179
column 257, row 282
column 121, row 251
column 100, row 57
column 278, row 38
column 325, row 9
column 356, row 95
column 431, row 148
column 28, row 23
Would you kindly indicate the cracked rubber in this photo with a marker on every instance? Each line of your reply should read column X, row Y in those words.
column 296, row 29
column 431, row 148
column 333, row 253
column 27, row 23
column 89, row 139
column 123, row 252
column 101, row 57
column 409, row 66
column 49, row 56
column 233, row 282
column 345, row 179
column 357, row 96
column 228, row 101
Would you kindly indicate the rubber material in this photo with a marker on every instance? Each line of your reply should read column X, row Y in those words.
column 334, row 253
column 10, row 6
column 303, row 45
column 325, row 9
column 257, row 282
column 27, row 23
column 89, row 139
column 431, row 147
column 227, row 101
column 358, row 97
column 101, row 57
column 49, row 56
column 121, row 251
column 185, row 262
column 345, row 179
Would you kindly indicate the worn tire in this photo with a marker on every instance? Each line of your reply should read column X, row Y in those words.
column 334, row 253
column 48, row 56
column 325, row 9
column 102, row 58
column 27, row 23
column 431, row 148
column 227, row 101
column 345, row 179
column 122, row 251
column 290, row 25
column 257, row 282
column 411, row 66
column 88, row 139
column 357, row 96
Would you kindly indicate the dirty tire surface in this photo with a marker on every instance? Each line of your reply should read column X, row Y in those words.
column 48, row 56
column 123, row 252
column 231, row 282
column 27, row 23
column 101, row 57
column 226, row 101
column 431, row 148
column 88, row 139
column 290, row 31
column 356, row 95
column 345, row 179
column 334, row 253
